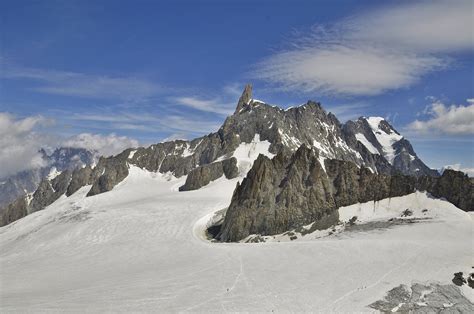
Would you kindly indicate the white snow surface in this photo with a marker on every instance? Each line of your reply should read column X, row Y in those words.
column 385, row 140
column 131, row 154
column 141, row 248
column 53, row 173
column 361, row 138
column 247, row 153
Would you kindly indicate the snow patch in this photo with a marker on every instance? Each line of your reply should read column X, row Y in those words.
column 247, row 153
column 132, row 153
column 361, row 138
column 53, row 173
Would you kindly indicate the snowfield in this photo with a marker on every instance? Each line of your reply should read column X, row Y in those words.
column 142, row 248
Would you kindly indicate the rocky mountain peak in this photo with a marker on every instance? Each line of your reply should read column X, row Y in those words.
column 244, row 98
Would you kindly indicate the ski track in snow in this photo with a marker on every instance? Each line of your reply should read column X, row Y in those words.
column 140, row 248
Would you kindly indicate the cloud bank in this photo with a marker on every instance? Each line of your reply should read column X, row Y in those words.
column 22, row 138
column 20, row 144
column 443, row 119
column 207, row 105
column 372, row 53
column 105, row 145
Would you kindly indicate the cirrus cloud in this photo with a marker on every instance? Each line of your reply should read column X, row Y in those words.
column 369, row 54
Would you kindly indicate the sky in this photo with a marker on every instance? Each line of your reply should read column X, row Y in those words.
column 108, row 75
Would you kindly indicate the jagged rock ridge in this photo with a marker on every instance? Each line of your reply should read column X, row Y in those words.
column 292, row 190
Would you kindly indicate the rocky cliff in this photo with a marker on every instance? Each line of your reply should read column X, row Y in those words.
column 295, row 189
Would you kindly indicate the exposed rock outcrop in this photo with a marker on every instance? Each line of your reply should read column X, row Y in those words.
column 278, row 195
column 201, row 176
column 14, row 211
column 292, row 190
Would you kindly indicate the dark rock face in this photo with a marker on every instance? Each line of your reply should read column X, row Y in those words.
column 201, row 176
column 293, row 190
column 278, row 195
column 456, row 187
column 109, row 172
column 245, row 98
column 80, row 177
column 49, row 191
column 14, row 211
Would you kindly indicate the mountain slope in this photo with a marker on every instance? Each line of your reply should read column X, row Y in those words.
column 141, row 248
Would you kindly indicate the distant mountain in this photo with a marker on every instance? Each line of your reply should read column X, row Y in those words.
column 22, row 183
column 380, row 138
column 368, row 142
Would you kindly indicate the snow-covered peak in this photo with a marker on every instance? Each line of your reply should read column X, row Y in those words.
column 385, row 135
column 374, row 121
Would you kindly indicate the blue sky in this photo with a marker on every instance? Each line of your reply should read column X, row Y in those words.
column 142, row 71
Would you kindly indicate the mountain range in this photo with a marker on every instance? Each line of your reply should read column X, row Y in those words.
column 369, row 143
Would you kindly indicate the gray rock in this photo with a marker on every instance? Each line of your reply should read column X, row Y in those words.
column 201, row 176
column 431, row 298
column 278, row 195
column 80, row 177
column 456, row 187
column 16, row 210
column 245, row 98
column 293, row 190
column 49, row 191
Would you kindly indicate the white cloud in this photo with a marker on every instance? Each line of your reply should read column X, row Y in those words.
column 20, row 143
column 22, row 138
column 429, row 26
column 346, row 112
column 175, row 136
column 451, row 120
column 105, row 145
column 176, row 123
column 369, row 54
column 85, row 85
column 458, row 167
column 208, row 105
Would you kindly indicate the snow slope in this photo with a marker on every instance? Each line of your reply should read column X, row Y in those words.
column 361, row 138
column 140, row 248
column 385, row 140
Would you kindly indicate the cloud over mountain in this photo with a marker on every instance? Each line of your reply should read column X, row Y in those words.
column 22, row 138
